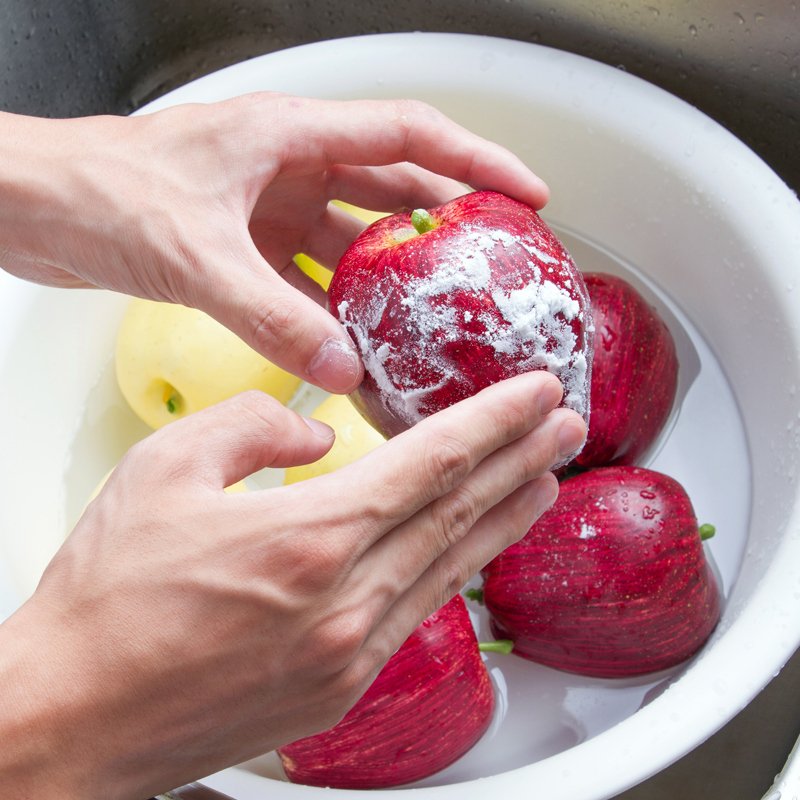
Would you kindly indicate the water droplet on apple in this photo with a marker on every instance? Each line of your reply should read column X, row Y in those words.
column 607, row 336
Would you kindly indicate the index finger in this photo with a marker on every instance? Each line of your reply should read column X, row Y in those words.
column 380, row 132
column 415, row 468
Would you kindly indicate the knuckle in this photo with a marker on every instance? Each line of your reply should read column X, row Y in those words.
column 514, row 415
column 449, row 576
column 410, row 109
column 454, row 515
column 318, row 568
column 271, row 323
column 410, row 117
column 341, row 639
column 448, row 462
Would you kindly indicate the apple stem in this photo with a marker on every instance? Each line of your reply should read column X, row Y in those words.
column 172, row 400
column 504, row 646
column 706, row 531
column 422, row 220
column 474, row 594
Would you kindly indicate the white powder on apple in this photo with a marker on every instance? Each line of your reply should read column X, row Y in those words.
column 587, row 531
column 533, row 323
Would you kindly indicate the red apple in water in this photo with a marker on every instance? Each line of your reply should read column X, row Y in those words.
column 612, row 581
column 442, row 303
column 634, row 374
column 430, row 704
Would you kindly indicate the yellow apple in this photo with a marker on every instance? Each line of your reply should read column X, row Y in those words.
column 172, row 361
column 315, row 270
column 355, row 437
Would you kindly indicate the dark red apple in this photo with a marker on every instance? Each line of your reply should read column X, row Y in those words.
column 442, row 303
column 634, row 374
column 428, row 706
column 612, row 581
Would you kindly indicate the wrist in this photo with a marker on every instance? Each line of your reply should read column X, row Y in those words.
column 51, row 206
column 26, row 186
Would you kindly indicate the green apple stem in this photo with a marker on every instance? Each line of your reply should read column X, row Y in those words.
column 422, row 220
column 474, row 594
column 172, row 400
column 504, row 646
column 706, row 531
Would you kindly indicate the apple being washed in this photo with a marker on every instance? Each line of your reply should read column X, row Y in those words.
column 634, row 374
column 442, row 303
column 612, row 581
column 428, row 706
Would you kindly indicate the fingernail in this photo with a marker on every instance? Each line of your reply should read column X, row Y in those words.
column 336, row 367
column 543, row 497
column 546, row 494
column 571, row 436
column 319, row 428
column 550, row 396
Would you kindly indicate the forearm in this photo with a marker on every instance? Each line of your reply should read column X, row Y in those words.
column 37, row 759
column 78, row 717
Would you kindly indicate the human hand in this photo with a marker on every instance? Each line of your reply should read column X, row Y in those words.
column 206, row 205
column 180, row 629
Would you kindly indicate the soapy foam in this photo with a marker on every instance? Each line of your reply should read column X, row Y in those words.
column 530, row 323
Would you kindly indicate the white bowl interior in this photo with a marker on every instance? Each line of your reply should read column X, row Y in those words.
column 643, row 185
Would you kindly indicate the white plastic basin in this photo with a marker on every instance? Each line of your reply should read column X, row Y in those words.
column 642, row 184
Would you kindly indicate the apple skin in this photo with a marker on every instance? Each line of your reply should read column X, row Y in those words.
column 634, row 374
column 169, row 356
column 612, row 581
column 428, row 706
column 355, row 437
column 487, row 293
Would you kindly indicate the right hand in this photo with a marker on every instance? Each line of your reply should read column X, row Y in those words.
column 181, row 630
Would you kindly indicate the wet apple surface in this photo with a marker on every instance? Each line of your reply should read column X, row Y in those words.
column 445, row 303
column 612, row 581
column 634, row 374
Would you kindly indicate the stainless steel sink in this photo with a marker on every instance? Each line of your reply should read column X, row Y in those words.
column 739, row 62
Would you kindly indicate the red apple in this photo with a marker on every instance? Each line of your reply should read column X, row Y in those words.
column 634, row 374
column 612, row 581
column 430, row 704
column 442, row 303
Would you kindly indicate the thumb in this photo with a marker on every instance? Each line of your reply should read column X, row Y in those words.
column 225, row 443
column 286, row 327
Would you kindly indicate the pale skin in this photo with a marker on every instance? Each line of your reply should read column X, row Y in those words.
column 180, row 629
